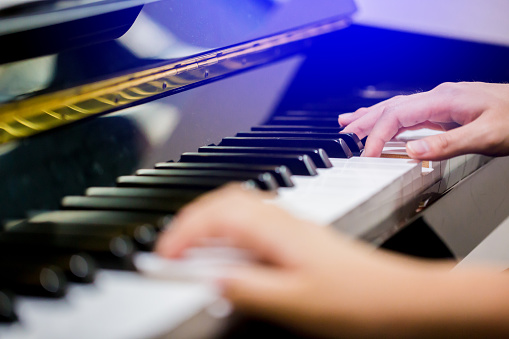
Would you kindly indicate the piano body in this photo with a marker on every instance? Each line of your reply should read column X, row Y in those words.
column 94, row 94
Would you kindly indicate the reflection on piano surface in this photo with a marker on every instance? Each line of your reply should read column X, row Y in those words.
column 107, row 134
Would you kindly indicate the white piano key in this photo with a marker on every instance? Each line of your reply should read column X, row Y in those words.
column 365, row 184
column 354, row 195
column 207, row 264
column 123, row 305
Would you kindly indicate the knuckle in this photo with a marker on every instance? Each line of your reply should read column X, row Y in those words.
column 448, row 88
column 361, row 110
column 443, row 141
column 390, row 113
column 388, row 110
column 394, row 101
column 359, row 130
column 230, row 188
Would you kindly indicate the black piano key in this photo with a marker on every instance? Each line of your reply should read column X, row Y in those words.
column 77, row 267
column 265, row 180
column 109, row 252
column 303, row 121
column 7, row 307
column 318, row 155
column 280, row 172
column 144, row 235
column 177, row 182
column 310, row 114
column 166, row 193
column 335, row 148
column 33, row 279
column 298, row 164
column 283, row 128
column 351, row 139
column 159, row 220
column 121, row 204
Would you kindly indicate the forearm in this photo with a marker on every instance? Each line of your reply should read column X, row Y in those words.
column 375, row 294
column 436, row 302
column 317, row 281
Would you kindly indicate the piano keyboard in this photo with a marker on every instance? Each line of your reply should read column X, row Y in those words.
column 317, row 175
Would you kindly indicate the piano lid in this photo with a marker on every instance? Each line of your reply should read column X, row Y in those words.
column 63, row 61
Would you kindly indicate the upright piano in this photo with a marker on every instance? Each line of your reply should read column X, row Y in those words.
column 115, row 113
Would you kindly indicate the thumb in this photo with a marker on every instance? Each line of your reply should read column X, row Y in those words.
column 259, row 289
column 443, row 146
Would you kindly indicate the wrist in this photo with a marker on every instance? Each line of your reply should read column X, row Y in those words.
column 433, row 301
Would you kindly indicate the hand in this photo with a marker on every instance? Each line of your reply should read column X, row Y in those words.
column 296, row 280
column 311, row 278
column 476, row 116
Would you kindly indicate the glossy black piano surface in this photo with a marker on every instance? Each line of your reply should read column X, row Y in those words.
column 94, row 91
column 125, row 40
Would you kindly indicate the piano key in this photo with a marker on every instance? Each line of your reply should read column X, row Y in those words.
column 159, row 220
column 120, row 304
column 351, row 139
column 280, row 172
column 121, row 204
column 77, row 267
column 373, row 185
column 298, row 164
column 7, row 307
column 318, row 155
column 109, row 252
column 290, row 128
column 335, row 148
column 306, row 121
column 166, row 193
column 87, row 322
column 178, row 182
column 310, row 114
column 264, row 179
column 34, row 279
column 144, row 235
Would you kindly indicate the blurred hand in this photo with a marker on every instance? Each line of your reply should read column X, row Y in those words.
column 306, row 276
column 476, row 116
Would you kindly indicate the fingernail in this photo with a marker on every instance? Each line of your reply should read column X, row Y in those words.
column 339, row 121
column 418, row 147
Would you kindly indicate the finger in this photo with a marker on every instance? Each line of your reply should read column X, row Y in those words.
column 347, row 118
column 426, row 125
column 462, row 140
column 260, row 289
column 208, row 217
column 362, row 126
column 363, row 120
column 242, row 218
column 401, row 115
column 383, row 131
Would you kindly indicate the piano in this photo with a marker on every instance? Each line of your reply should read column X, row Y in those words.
column 115, row 113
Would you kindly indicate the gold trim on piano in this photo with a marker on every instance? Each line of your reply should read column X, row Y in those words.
column 29, row 116
column 425, row 163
